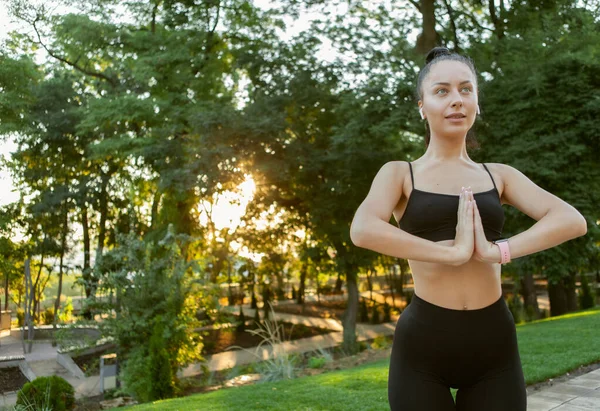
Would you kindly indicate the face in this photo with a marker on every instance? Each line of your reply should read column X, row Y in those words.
column 449, row 88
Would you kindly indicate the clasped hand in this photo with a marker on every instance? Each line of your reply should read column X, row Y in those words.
column 471, row 242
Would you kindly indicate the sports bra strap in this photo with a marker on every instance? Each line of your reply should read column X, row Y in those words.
column 411, row 175
column 493, row 182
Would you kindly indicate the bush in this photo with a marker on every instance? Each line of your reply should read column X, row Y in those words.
column 515, row 305
column 316, row 362
column 242, row 324
column 387, row 312
column 65, row 315
column 20, row 317
column 47, row 393
column 586, row 299
column 162, row 384
column 48, row 316
column 375, row 314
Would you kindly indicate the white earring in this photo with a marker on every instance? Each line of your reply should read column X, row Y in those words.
column 478, row 112
column 421, row 112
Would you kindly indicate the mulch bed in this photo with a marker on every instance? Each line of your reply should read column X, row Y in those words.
column 216, row 341
column 89, row 363
column 11, row 379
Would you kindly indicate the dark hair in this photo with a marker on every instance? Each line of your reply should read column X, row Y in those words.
column 436, row 55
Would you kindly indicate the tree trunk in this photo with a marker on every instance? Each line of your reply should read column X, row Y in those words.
column 303, row 272
column 428, row 38
column 154, row 213
column 529, row 294
column 557, row 294
column 390, row 277
column 229, row 292
column 403, row 270
column 63, row 246
column 571, row 287
column 339, row 283
column 370, row 283
column 350, row 344
column 6, row 293
column 87, row 270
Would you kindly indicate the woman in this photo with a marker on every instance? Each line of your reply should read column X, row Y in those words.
column 457, row 332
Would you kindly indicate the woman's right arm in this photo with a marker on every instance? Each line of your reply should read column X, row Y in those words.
column 371, row 229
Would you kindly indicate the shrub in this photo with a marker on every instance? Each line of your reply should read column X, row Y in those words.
column 375, row 314
column 316, row 362
column 47, row 393
column 380, row 342
column 48, row 316
column 65, row 315
column 387, row 312
column 134, row 374
column 586, row 299
column 515, row 305
column 162, row 384
column 242, row 324
column 20, row 317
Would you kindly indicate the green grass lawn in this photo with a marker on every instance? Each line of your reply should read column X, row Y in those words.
column 548, row 348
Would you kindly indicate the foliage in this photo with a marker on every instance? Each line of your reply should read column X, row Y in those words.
column 387, row 311
column 516, row 307
column 48, row 316
column 53, row 392
column 280, row 365
column 156, row 297
column 375, row 314
column 159, row 367
column 242, row 321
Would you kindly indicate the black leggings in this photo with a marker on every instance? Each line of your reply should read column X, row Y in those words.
column 437, row 348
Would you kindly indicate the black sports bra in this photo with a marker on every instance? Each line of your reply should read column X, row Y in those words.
column 433, row 216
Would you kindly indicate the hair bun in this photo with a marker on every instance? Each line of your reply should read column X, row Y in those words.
column 437, row 52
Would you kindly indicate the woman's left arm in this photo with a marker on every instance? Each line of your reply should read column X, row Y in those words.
column 557, row 221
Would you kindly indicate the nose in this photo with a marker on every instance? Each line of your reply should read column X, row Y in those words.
column 457, row 102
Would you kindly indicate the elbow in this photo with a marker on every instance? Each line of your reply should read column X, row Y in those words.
column 582, row 224
column 356, row 234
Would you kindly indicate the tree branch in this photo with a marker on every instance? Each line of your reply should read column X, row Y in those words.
column 473, row 19
column 416, row 4
column 452, row 25
column 64, row 60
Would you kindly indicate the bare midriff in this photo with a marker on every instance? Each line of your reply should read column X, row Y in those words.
column 470, row 286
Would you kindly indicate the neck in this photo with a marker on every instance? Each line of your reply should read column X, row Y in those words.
column 447, row 149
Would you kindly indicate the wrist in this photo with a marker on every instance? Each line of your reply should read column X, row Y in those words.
column 501, row 251
column 494, row 255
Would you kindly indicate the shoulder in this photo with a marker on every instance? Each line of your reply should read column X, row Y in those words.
column 519, row 191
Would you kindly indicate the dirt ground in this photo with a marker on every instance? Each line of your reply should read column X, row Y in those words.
column 11, row 379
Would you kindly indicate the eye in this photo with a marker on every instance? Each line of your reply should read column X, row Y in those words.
column 467, row 88
column 438, row 91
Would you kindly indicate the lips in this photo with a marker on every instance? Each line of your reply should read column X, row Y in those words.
column 456, row 115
